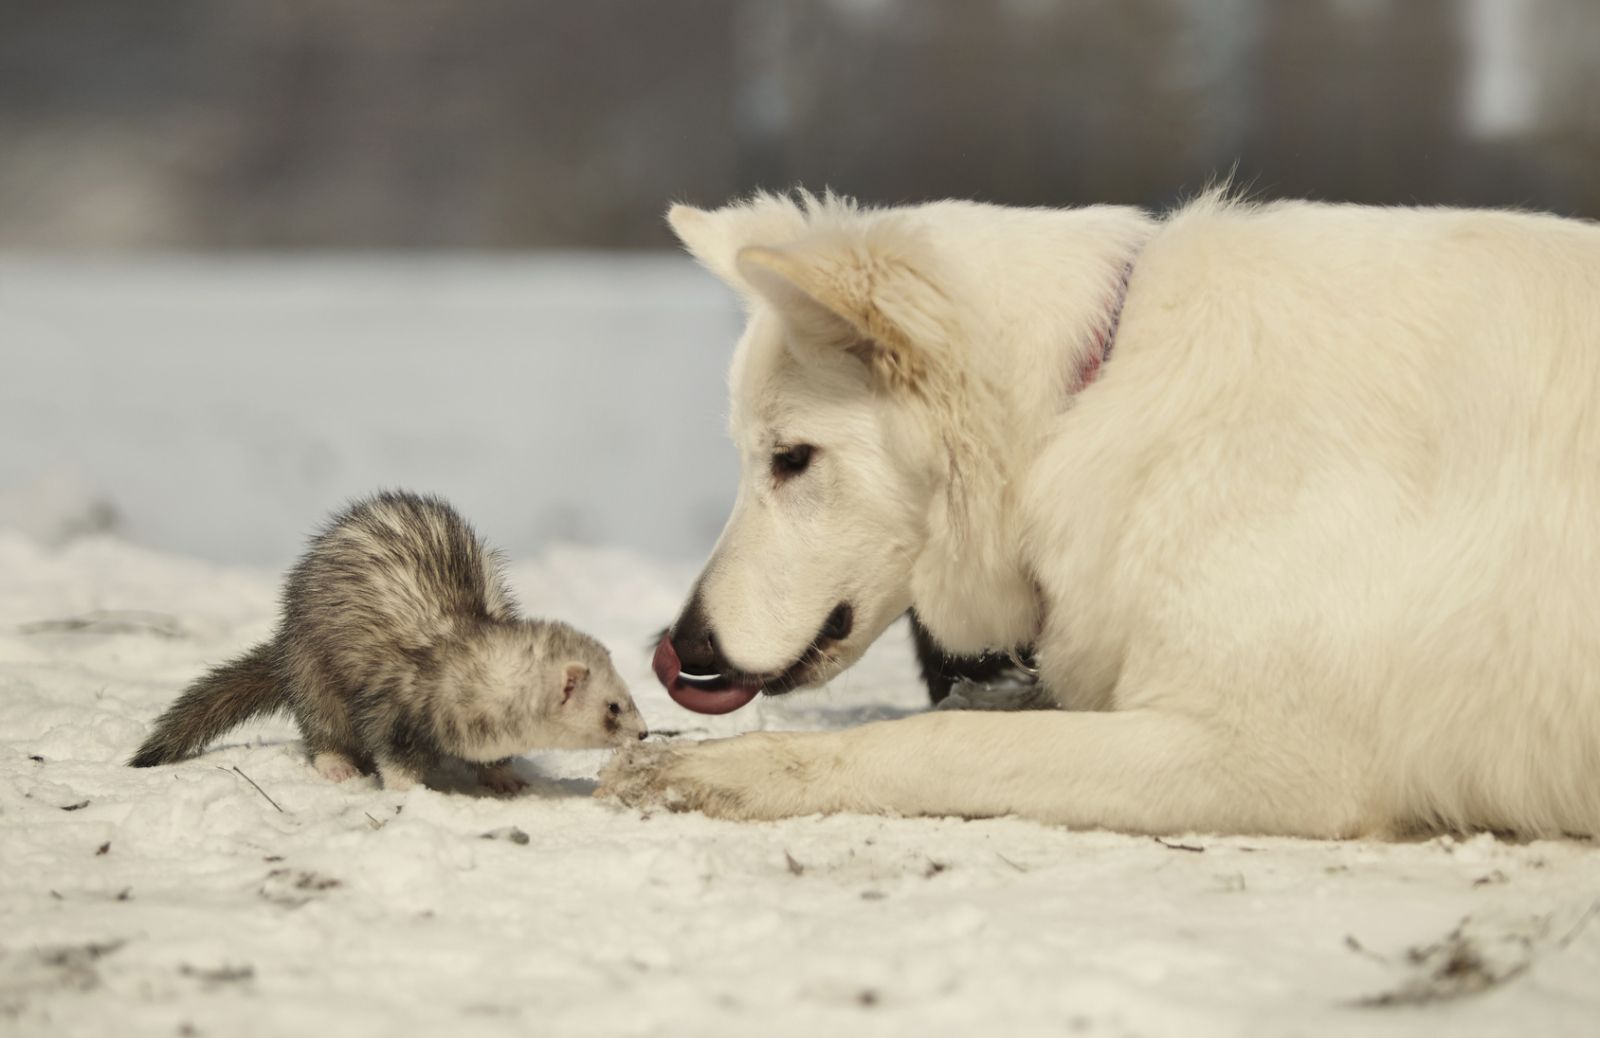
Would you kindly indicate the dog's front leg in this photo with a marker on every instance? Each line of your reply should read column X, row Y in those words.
column 1137, row 771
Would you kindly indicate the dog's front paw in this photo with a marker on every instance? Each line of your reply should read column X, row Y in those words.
column 632, row 777
column 758, row 776
column 653, row 776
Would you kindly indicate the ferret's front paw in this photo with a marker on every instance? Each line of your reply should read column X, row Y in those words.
column 500, row 778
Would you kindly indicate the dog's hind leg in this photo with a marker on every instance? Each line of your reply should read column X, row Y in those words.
column 1136, row 771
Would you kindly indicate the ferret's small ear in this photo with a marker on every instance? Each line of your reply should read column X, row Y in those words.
column 575, row 675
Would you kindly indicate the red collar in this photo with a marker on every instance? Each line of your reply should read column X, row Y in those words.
column 1106, row 334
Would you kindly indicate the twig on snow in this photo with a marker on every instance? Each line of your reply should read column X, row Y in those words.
column 252, row 781
column 1191, row 848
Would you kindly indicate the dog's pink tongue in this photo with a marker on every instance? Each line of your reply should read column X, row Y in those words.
column 701, row 701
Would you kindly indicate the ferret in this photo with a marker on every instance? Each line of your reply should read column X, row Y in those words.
column 399, row 645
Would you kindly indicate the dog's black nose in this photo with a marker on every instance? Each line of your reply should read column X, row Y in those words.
column 643, row 736
column 695, row 642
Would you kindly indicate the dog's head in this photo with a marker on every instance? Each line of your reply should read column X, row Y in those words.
column 853, row 413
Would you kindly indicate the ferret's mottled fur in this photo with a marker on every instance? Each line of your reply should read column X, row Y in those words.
column 399, row 645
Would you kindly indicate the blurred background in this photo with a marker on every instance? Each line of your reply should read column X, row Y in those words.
column 257, row 258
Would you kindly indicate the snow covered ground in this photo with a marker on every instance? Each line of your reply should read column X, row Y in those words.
column 183, row 900
column 209, row 413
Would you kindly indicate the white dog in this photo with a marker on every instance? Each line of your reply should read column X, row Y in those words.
column 1299, row 505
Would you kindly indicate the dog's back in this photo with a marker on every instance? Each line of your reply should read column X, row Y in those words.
column 1353, row 459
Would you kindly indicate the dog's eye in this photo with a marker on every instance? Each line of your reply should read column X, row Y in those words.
column 615, row 708
column 791, row 461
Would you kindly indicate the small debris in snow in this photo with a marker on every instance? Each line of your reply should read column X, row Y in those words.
column 292, row 889
column 220, row 975
column 1452, row 967
column 1169, row 845
column 510, row 834
column 1361, row 949
column 70, row 966
column 252, row 781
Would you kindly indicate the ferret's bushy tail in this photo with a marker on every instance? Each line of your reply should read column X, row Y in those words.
column 228, row 696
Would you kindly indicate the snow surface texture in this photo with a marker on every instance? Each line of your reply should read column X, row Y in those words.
column 239, row 893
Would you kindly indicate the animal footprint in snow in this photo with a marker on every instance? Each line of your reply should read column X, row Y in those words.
column 292, row 888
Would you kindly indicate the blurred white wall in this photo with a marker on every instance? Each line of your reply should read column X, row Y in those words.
column 220, row 406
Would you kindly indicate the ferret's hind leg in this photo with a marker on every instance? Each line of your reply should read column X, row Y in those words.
column 330, row 737
column 499, row 777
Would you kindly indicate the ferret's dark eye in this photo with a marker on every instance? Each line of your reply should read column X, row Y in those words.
column 615, row 708
column 791, row 461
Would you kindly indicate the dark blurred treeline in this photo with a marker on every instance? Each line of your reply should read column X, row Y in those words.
column 513, row 123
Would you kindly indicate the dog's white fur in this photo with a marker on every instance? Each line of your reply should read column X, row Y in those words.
column 1317, row 553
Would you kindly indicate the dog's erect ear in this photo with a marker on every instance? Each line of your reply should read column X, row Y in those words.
column 696, row 228
column 715, row 236
column 875, row 303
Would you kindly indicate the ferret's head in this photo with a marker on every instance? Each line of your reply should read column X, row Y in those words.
column 537, row 685
column 588, row 705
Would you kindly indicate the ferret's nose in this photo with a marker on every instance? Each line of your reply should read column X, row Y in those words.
column 643, row 736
